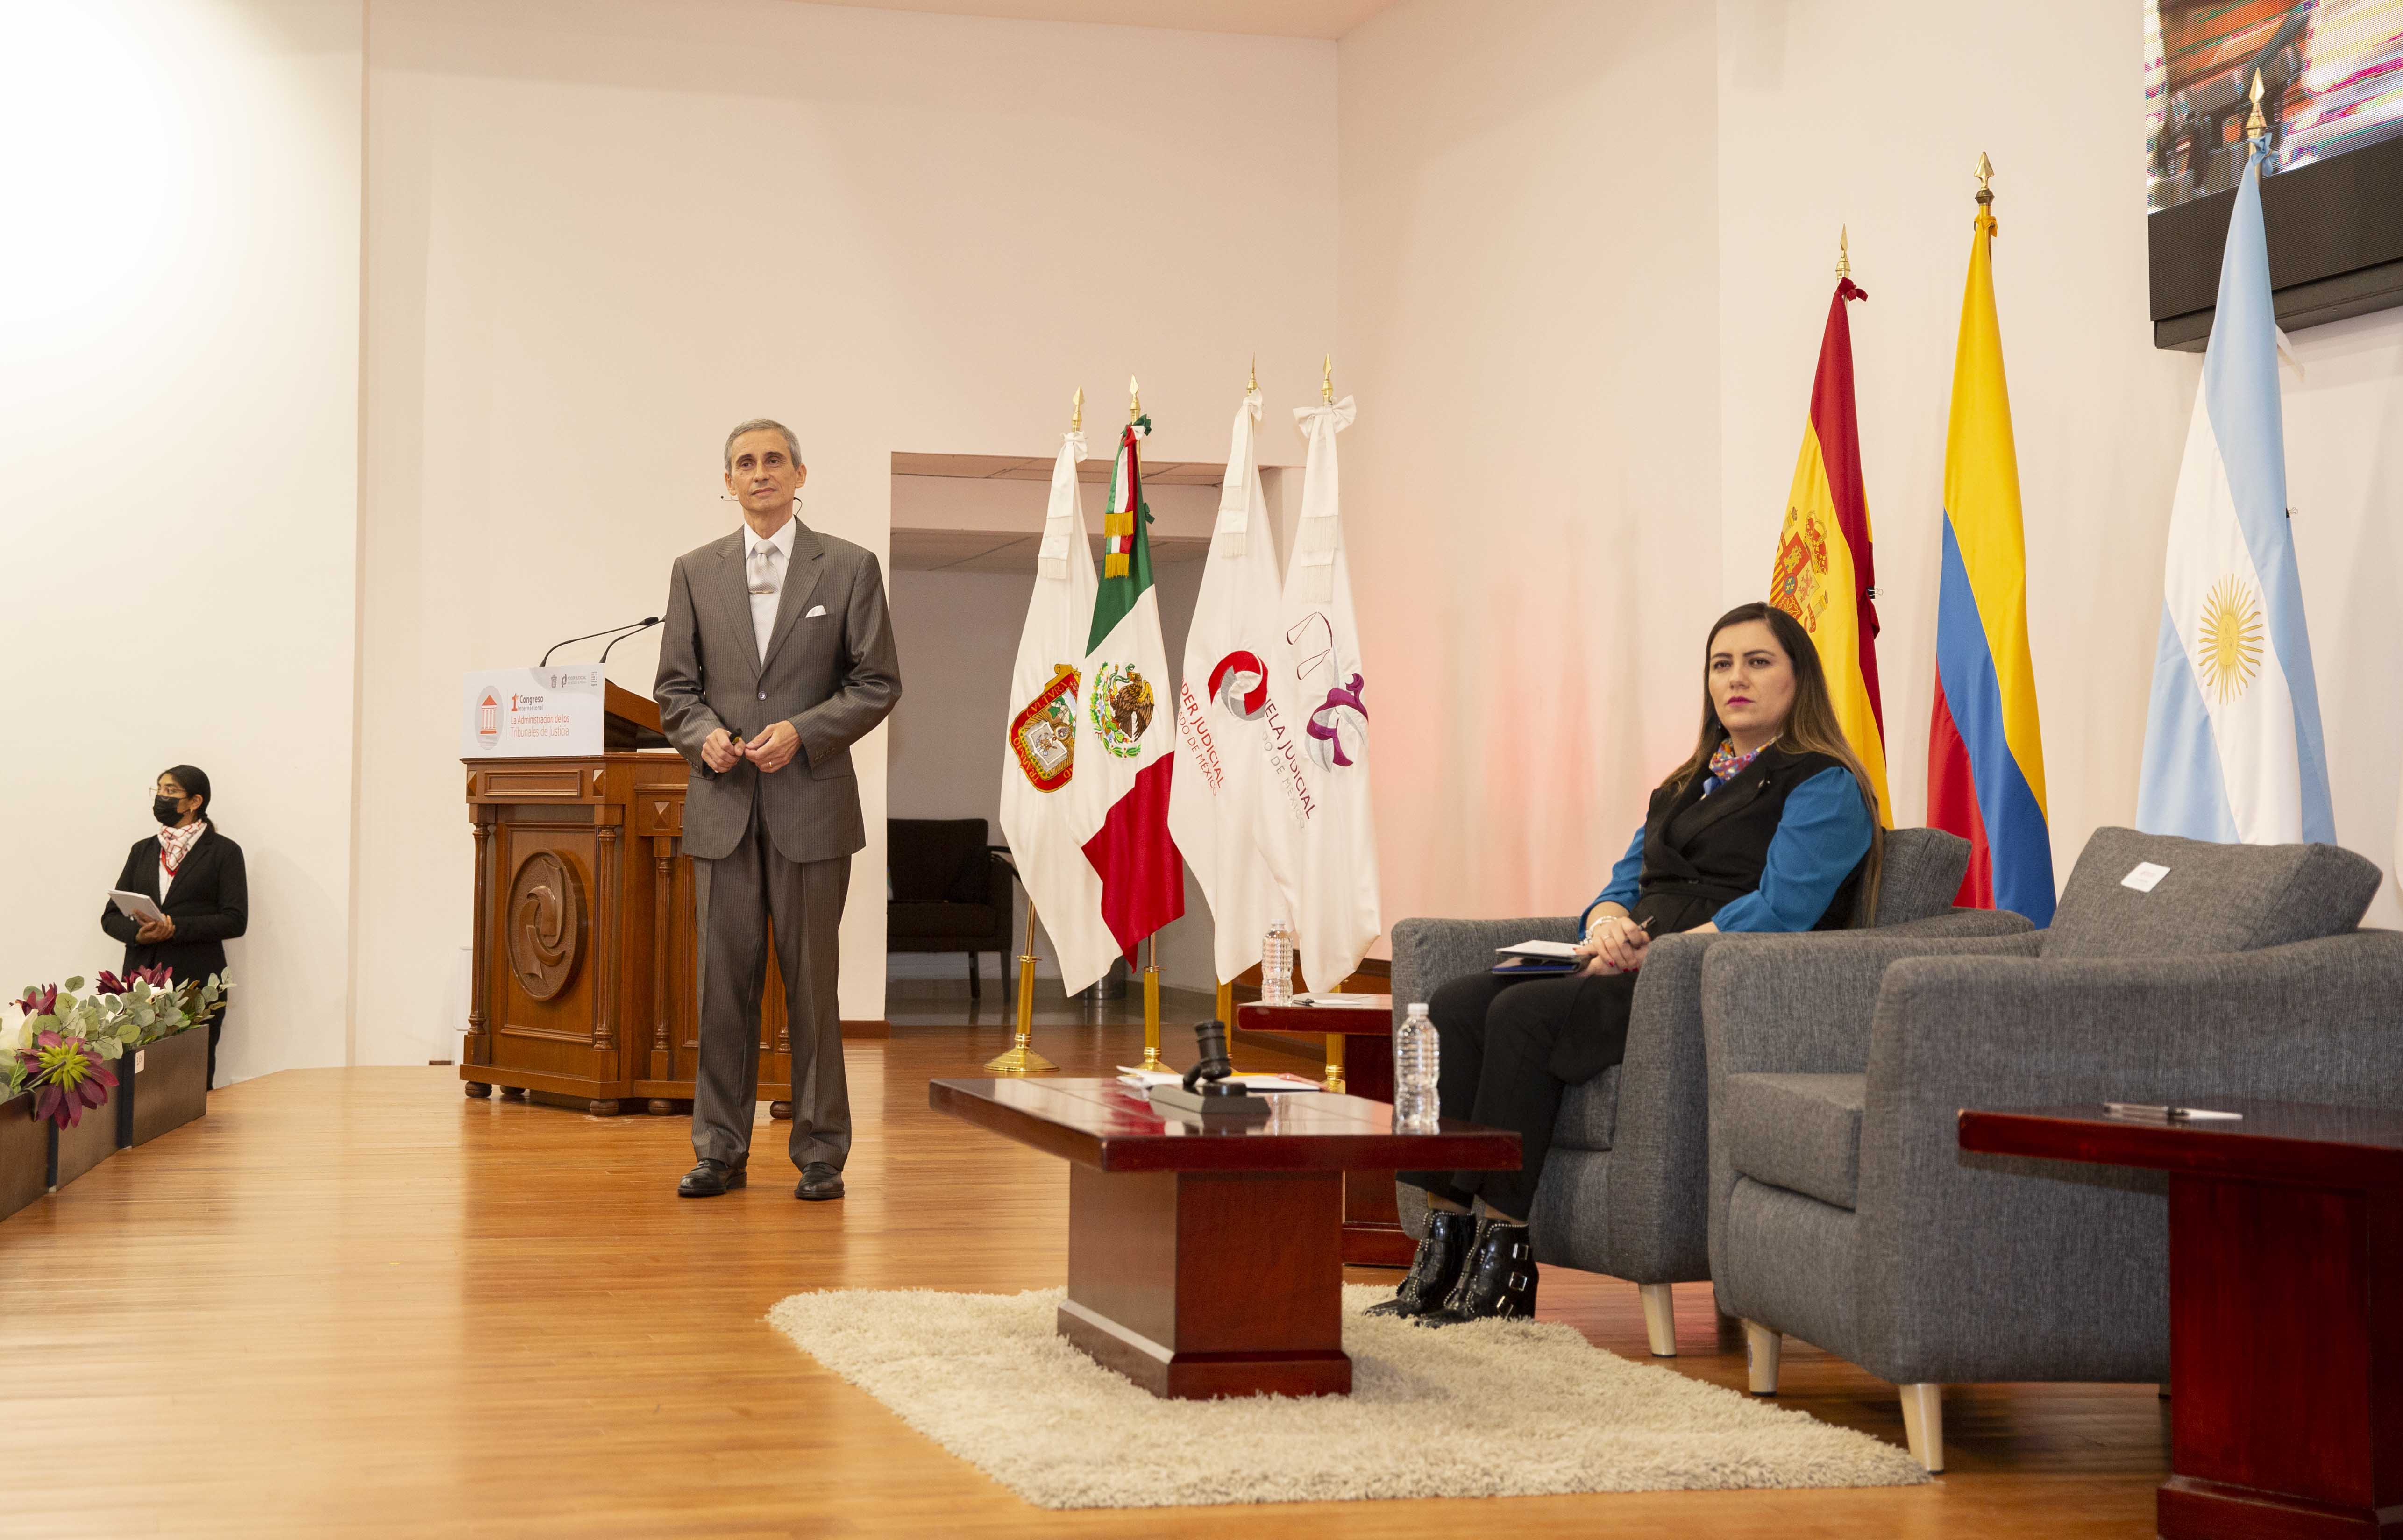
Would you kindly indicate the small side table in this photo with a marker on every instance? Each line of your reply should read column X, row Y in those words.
column 1373, row 1236
column 2285, row 1306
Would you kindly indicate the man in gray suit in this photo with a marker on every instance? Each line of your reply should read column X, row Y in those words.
column 777, row 657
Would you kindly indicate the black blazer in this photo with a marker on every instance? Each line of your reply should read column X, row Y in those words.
column 210, row 904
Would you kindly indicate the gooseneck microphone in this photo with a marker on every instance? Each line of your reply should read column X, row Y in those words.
column 610, row 631
column 636, row 631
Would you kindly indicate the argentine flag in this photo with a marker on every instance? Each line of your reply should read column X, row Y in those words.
column 2232, row 747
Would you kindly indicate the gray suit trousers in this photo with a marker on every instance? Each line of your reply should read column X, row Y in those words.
column 736, row 896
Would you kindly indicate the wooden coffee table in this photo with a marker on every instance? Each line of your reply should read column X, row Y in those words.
column 2285, row 1294
column 1207, row 1262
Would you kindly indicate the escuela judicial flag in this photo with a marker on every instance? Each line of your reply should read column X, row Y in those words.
column 1825, row 573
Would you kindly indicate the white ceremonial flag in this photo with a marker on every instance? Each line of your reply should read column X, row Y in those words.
column 1320, row 811
column 1038, row 755
column 1223, row 713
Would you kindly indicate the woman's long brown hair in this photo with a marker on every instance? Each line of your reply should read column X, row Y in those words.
column 1810, row 728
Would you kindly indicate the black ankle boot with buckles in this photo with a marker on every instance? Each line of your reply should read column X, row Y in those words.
column 1435, row 1267
column 1498, row 1282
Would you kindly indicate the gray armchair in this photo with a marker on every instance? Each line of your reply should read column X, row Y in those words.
column 1625, row 1189
column 1842, row 1210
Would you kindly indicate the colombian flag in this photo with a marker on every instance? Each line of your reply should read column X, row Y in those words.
column 1825, row 575
column 1985, row 755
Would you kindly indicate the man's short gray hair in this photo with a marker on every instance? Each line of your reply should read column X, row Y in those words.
column 762, row 425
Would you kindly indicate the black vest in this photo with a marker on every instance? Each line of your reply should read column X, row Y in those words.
column 1703, row 853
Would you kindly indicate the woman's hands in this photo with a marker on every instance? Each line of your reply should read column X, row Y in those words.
column 1613, row 944
column 154, row 931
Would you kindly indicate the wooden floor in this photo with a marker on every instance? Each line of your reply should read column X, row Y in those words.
column 354, row 1302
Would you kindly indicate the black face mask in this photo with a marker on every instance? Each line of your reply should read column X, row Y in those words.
column 163, row 809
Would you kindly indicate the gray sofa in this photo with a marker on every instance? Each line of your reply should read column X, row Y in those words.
column 1624, row 1191
column 1843, row 1210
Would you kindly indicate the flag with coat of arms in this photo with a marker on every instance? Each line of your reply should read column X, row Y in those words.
column 1126, row 724
column 1039, row 814
column 1224, row 714
column 2232, row 745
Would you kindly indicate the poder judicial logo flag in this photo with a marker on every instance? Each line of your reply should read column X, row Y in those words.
column 1317, row 805
column 1038, row 758
column 2232, row 746
column 1126, row 727
column 1824, row 575
column 1224, row 713
column 1985, row 752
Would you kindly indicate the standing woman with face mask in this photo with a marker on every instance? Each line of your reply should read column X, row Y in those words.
column 196, row 875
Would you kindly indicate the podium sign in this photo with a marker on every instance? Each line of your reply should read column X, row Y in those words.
column 519, row 714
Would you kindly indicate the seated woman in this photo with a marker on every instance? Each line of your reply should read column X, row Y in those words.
column 197, row 877
column 1771, row 825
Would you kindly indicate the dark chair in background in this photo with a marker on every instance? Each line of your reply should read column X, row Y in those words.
column 950, row 891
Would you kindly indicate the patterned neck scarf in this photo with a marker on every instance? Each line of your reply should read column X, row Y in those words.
column 1726, row 765
column 176, row 843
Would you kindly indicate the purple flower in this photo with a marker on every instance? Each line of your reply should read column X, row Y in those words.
column 108, row 983
column 40, row 1002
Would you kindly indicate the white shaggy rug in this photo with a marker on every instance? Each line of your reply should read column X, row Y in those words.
column 1497, row 1408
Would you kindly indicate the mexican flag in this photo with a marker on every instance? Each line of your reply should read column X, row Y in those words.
column 1224, row 718
column 1126, row 732
column 1038, row 758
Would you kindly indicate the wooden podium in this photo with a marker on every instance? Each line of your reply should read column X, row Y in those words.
column 583, row 993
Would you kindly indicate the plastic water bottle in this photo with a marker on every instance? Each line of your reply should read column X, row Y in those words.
column 1418, row 1057
column 1276, row 965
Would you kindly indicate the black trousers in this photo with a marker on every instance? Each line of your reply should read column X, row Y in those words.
column 216, row 1029
column 1510, row 1047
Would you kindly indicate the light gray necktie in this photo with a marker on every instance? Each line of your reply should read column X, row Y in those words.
column 763, row 569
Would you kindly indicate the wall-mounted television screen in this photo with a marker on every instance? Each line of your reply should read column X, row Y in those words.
column 2331, row 74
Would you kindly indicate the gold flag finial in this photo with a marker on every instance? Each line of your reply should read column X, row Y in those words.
column 1076, row 412
column 1327, row 381
column 2256, row 125
column 1252, row 386
column 1135, row 399
column 1985, row 175
column 1843, row 251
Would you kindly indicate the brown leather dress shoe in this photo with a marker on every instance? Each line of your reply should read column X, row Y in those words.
column 711, row 1179
column 820, row 1182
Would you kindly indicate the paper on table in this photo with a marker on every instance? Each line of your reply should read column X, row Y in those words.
column 1538, row 949
column 1132, row 1075
column 1347, row 1001
column 140, row 906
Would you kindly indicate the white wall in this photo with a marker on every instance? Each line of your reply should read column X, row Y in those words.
column 1529, row 316
column 179, row 313
column 1873, row 114
column 600, row 231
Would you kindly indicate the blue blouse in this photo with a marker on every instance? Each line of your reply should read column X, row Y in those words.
column 1821, row 836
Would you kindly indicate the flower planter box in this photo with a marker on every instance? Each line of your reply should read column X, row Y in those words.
column 162, row 1085
column 93, row 1139
column 25, row 1155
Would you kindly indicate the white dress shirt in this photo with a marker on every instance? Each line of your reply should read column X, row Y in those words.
column 764, row 566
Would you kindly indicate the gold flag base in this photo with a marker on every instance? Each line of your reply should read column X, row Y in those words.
column 1021, row 1059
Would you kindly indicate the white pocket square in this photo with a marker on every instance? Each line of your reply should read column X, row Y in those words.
column 815, row 610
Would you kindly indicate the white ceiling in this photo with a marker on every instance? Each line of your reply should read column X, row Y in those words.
column 1269, row 18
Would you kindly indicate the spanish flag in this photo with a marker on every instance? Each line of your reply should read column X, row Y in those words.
column 1985, row 754
column 1826, row 575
